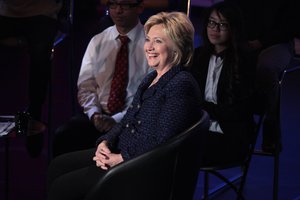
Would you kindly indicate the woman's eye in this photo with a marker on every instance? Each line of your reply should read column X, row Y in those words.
column 224, row 25
column 211, row 22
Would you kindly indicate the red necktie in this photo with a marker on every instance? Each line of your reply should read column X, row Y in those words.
column 117, row 95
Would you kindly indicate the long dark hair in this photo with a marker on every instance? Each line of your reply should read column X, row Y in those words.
column 235, row 19
column 233, row 58
column 236, row 41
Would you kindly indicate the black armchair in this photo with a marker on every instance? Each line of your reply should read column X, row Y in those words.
column 169, row 171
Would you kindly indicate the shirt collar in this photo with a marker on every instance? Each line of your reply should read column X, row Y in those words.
column 132, row 34
column 220, row 55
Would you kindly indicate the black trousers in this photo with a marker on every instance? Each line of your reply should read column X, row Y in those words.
column 220, row 148
column 72, row 175
column 78, row 133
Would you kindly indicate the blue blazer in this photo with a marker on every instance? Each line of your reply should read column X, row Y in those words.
column 156, row 113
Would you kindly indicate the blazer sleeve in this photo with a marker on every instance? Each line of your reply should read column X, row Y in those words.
column 182, row 108
column 111, row 136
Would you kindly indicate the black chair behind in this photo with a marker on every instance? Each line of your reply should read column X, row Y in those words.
column 278, row 142
column 166, row 172
column 231, row 182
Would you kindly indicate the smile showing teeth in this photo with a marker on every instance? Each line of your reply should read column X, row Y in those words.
column 152, row 55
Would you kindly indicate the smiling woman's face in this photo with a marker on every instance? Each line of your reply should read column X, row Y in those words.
column 158, row 48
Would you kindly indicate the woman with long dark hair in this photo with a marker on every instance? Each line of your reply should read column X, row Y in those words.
column 223, row 72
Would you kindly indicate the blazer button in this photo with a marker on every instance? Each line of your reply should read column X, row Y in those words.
column 138, row 106
column 132, row 130
column 139, row 122
column 127, row 125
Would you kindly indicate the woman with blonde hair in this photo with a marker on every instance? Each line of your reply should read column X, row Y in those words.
column 166, row 103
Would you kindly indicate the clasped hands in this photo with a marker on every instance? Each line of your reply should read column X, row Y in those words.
column 104, row 158
column 103, row 123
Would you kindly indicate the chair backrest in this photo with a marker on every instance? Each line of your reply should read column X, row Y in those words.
column 153, row 175
column 278, row 147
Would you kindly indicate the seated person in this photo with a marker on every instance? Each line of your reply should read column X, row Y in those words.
column 221, row 70
column 166, row 103
column 273, row 36
column 96, row 77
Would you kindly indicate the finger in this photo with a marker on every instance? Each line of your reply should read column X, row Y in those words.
column 104, row 167
column 104, row 150
column 100, row 163
column 101, row 156
column 104, row 157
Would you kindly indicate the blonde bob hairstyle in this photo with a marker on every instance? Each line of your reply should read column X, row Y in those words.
column 180, row 30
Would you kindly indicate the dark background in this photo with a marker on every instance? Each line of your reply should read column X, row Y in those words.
column 26, row 175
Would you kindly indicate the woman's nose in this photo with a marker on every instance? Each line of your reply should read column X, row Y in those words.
column 150, row 46
column 216, row 28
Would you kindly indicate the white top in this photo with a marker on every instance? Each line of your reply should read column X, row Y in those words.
column 97, row 69
column 213, row 75
column 29, row 8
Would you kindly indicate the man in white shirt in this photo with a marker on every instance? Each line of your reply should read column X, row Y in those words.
column 96, row 74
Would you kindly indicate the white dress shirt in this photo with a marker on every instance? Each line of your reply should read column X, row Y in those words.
column 212, row 80
column 97, row 69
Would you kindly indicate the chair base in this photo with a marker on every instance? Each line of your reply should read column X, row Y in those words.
column 222, row 187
